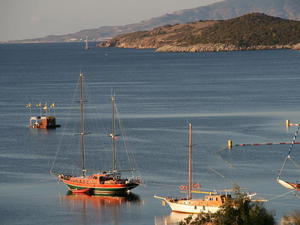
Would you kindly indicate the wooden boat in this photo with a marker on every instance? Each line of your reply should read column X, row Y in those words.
column 43, row 122
column 289, row 185
column 80, row 191
column 105, row 183
column 211, row 202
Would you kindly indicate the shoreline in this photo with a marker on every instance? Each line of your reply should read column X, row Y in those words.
column 219, row 48
column 175, row 48
column 202, row 47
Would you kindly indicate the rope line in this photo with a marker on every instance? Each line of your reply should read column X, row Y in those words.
column 282, row 195
column 295, row 163
column 64, row 128
column 130, row 156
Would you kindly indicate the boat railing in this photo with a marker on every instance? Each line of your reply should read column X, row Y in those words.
column 64, row 176
column 135, row 180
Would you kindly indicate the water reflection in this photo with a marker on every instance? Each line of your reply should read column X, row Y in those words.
column 172, row 219
column 35, row 131
column 101, row 209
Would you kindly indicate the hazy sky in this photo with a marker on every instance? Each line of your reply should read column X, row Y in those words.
column 21, row 19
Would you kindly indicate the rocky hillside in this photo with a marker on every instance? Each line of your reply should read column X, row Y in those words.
column 251, row 31
column 288, row 9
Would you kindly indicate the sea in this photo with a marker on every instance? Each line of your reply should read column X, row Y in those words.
column 243, row 96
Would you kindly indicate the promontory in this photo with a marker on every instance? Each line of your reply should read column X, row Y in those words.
column 248, row 32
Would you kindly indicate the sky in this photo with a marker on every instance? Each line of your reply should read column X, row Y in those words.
column 22, row 19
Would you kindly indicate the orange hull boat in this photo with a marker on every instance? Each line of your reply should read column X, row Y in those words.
column 99, row 184
column 105, row 183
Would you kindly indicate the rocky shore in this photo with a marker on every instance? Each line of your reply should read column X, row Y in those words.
column 198, row 47
column 218, row 48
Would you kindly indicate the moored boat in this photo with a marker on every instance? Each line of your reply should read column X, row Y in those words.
column 43, row 122
column 211, row 202
column 108, row 182
column 289, row 185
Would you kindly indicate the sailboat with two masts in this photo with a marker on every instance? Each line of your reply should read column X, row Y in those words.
column 106, row 182
column 211, row 202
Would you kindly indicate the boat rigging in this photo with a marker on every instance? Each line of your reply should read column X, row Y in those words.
column 289, row 185
column 211, row 202
column 108, row 182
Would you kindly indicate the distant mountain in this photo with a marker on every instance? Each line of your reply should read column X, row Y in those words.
column 289, row 9
column 251, row 31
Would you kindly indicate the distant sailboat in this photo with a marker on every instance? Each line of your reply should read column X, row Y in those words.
column 107, row 182
column 86, row 47
column 211, row 202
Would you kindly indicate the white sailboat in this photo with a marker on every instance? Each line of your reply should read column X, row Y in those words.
column 86, row 47
column 211, row 202
column 289, row 185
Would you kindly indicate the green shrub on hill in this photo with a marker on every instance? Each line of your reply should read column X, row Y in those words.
column 249, row 30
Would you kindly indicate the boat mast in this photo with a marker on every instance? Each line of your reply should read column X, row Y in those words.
column 114, row 156
column 82, row 126
column 190, row 166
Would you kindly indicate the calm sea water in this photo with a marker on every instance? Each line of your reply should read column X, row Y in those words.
column 242, row 96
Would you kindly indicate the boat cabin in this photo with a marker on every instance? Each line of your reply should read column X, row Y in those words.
column 95, row 179
column 107, row 177
column 215, row 200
